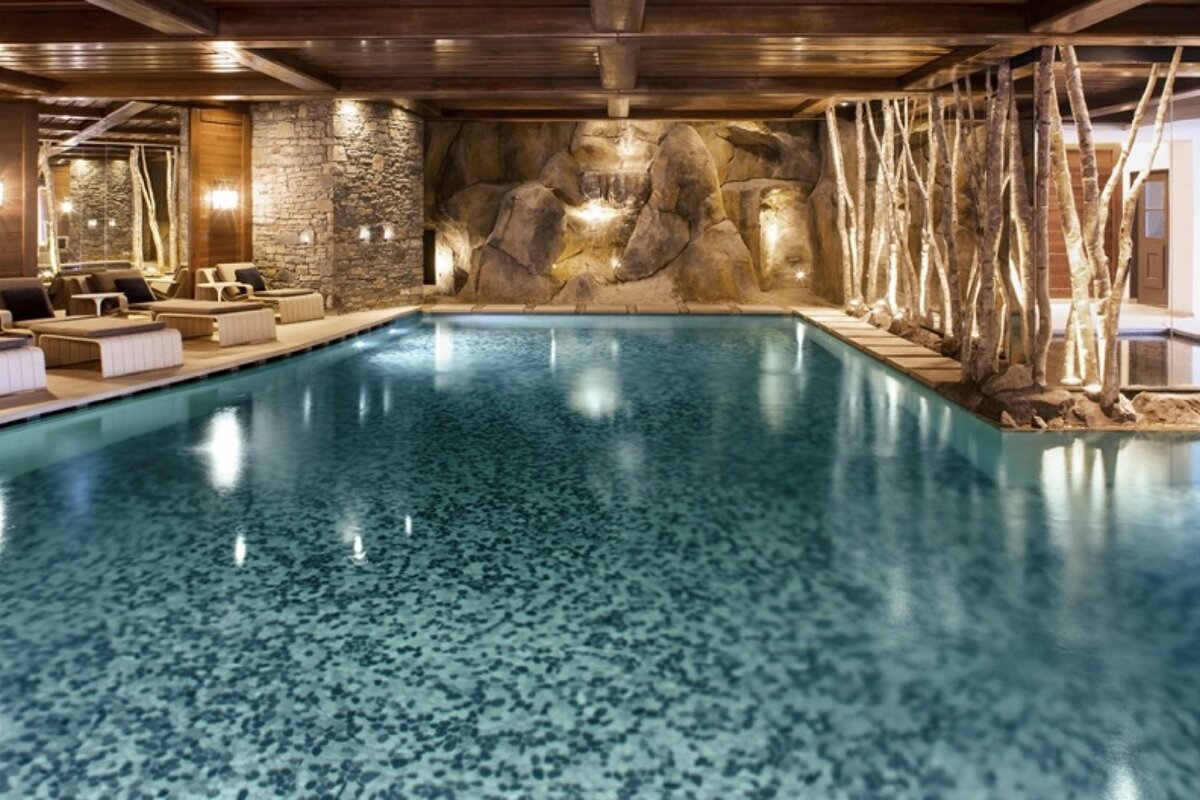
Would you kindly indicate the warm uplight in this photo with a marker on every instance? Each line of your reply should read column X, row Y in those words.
column 1, row 194
column 389, row 233
column 223, row 197
column 801, row 274
column 93, row 223
column 67, row 206
column 305, row 238
column 364, row 234
column 112, row 223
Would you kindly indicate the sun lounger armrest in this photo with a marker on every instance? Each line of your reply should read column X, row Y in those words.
column 5, row 319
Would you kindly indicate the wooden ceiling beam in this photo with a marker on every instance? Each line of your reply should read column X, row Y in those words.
column 618, row 16
column 618, row 107
column 282, row 67
column 251, row 25
column 169, row 17
column 618, row 67
column 118, row 117
column 1072, row 16
column 226, row 87
column 950, row 25
column 24, row 84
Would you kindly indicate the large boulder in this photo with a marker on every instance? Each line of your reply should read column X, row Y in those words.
column 500, row 278
column 1017, row 376
column 612, row 146
column 715, row 267
column 777, row 151
column 475, row 209
column 658, row 238
column 526, row 148
column 473, row 157
column 1024, row 404
column 684, row 180
column 1161, row 408
column 529, row 228
column 561, row 175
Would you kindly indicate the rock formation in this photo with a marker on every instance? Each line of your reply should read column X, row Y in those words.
column 615, row 211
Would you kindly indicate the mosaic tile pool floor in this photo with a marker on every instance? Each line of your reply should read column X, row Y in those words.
column 591, row 558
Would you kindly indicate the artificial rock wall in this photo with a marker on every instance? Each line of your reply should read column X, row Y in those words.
column 323, row 172
column 631, row 211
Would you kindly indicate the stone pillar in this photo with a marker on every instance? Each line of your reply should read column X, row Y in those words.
column 325, row 172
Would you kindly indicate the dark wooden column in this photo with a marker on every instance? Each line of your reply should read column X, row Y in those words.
column 219, row 142
column 18, row 171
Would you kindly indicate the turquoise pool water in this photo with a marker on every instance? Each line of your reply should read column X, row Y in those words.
column 592, row 558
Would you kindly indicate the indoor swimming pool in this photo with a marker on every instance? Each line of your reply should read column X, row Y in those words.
column 583, row 557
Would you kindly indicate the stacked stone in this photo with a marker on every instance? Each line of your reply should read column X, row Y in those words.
column 324, row 171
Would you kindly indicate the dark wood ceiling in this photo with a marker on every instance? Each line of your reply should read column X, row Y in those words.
column 548, row 59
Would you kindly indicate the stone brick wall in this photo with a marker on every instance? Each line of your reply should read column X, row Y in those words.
column 325, row 170
column 101, row 193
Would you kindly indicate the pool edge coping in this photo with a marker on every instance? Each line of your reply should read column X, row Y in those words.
column 114, row 394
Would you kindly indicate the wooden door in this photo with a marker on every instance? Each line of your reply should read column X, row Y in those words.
column 1153, row 233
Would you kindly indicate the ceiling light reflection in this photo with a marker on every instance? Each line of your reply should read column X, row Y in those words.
column 224, row 449
column 596, row 394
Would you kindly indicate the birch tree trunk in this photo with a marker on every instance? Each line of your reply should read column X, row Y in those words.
column 983, row 358
column 948, row 222
column 1110, row 391
column 173, row 210
column 846, row 214
column 151, row 207
column 860, row 143
column 47, row 174
column 1081, row 266
column 931, row 254
column 1046, row 93
column 137, row 246
column 1023, row 218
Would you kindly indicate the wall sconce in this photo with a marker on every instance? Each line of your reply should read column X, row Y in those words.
column 112, row 223
column 364, row 233
column 67, row 206
column 223, row 197
column 93, row 223
column 1, row 194
column 389, row 233
column 305, row 238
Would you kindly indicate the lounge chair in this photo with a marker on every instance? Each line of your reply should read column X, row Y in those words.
column 22, row 367
column 233, row 323
column 291, row 305
column 122, row 346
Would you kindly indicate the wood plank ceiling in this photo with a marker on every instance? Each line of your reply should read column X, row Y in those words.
column 551, row 59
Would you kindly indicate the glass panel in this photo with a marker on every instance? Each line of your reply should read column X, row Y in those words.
column 1155, row 225
column 1155, row 194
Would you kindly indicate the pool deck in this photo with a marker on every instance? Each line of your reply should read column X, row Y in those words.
column 75, row 387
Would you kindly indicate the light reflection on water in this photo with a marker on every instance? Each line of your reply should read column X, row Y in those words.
column 1157, row 361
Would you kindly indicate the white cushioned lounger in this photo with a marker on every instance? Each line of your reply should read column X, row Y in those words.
column 22, row 368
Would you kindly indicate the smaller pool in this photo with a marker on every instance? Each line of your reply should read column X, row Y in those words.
column 1158, row 360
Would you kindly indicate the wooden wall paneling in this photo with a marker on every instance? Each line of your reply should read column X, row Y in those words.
column 18, row 170
column 1060, row 268
column 219, row 142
